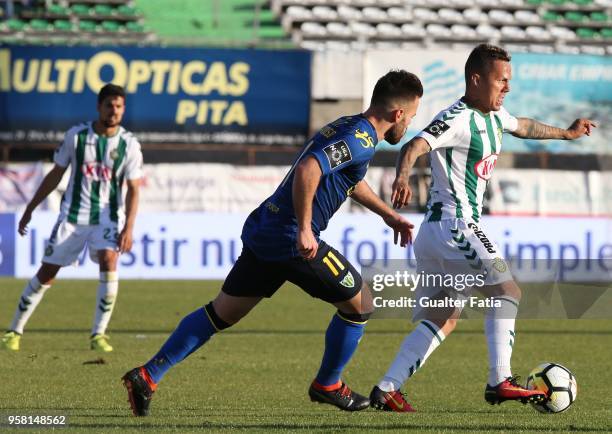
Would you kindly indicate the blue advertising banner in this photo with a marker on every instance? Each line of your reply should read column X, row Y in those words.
column 7, row 244
column 173, row 94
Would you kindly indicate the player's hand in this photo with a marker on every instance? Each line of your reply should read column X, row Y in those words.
column 307, row 244
column 402, row 229
column 579, row 128
column 23, row 223
column 402, row 193
column 125, row 241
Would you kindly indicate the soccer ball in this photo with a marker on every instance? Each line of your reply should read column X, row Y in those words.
column 557, row 382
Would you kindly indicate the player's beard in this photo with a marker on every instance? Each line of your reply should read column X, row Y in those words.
column 394, row 135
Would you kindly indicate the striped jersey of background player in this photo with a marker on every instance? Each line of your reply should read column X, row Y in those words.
column 102, row 156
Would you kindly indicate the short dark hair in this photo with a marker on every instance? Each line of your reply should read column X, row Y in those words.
column 482, row 57
column 110, row 89
column 394, row 86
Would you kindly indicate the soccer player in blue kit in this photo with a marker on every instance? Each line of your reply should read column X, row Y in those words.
column 281, row 243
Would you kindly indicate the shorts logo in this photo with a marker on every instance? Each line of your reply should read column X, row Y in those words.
column 437, row 127
column 500, row 265
column 338, row 153
column 350, row 190
column 348, row 281
column 49, row 251
column 483, row 238
column 484, row 168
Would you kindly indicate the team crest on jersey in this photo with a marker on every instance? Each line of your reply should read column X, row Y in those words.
column 437, row 128
column 364, row 138
column 114, row 154
column 484, row 168
column 49, row 250
column 348, row 281
column 500, row 265
column 337, row 153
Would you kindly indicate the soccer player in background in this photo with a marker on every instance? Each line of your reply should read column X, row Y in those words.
column 464, row 141
column 102, row 154
column 281, row 243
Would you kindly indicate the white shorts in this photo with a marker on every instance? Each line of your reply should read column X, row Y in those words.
column 458, row 248
column 68, row 240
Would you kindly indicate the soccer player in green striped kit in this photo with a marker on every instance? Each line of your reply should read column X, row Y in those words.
column 102, row 156
column 464, row 141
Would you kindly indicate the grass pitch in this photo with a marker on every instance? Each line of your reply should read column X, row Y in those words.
column 255, row 375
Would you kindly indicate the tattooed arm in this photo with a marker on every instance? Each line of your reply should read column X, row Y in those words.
column 532, row 129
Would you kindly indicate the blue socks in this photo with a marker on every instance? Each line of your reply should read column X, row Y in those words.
column 192, row 332
column 341, row 340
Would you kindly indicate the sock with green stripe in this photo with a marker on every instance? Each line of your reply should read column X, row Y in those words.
column 413, row 352
column 499, row 331
column 341, row 340
column 192, row 332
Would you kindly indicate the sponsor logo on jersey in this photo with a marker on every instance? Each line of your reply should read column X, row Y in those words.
column 327, row 131
column 97, row 171
column 348, row 281
column 488, row 245
column 484, row 168
column 337, row 153
column 364, row 138
column 437, row 128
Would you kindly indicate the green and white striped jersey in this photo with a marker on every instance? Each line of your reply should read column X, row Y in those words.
column 465, row 144
column 99, row 167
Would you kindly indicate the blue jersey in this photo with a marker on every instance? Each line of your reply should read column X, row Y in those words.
column 343, row 149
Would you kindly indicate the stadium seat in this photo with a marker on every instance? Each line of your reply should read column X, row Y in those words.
column 461, row 31
column 574, row 16
column 349, row 13
column 411, row 30
column 103, row 10
column 606, row 33
column 324, row 13
column 387, row 30
column 438, row 31
column 424, row 14
column 126, row 10
column 537, row 33
column 487, row 31
column 134, row 27
column 15, row 25
column 339, row 30
column 511, row 3
column 39, row 24
column 374, row 14
column 534, row 2
column 551, row 16
column 475, row 14
column 298, row 13
column 582, row 2
column 57, row 9
column 568, row 49
column 399, row 14
column 87, row 26
column 501, row 16
column 600, row 17
column 558, row 2
column 451, row 15
column 523, row 16
column 337, row 46
column 592, row 49
column 586, row 33
column 487, row 3
column 80, row 9
column 110, row 26
column 513, row 32
column 62, row 25
column 562, row 33
column 313, row 45
column 363, row 29
column 542, row 49
column 313, row 29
